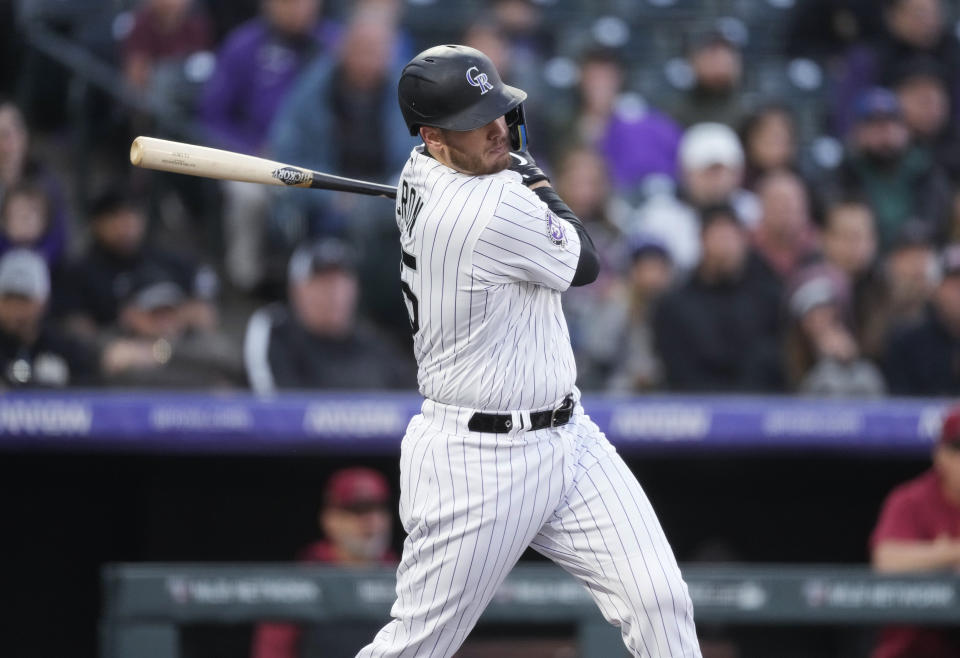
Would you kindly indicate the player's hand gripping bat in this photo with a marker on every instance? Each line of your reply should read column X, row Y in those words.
column 193, row 160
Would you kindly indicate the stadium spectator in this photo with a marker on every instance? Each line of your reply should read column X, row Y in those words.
column 636, row 365
column 334, row 101
column 636, row 140
column 716, row 95
column 821, row 355
column 317, row 341
column 18, row 167
column 96, row 284
column 900, row 180
column 153, row 344
column 921, row 87
column 910, row 276
column 918, row 530
column 718, row 332
column 913, row 27
column 33, row 353
column 785, row 237
column 256, row 68
column 711, row 163
column 25, row 221
column 924, row 358
column 769, row 138
column 356, row 522
column 850, row 245
column 163, row 31
column 529, row 42
column 522, row 23
column 591, row 311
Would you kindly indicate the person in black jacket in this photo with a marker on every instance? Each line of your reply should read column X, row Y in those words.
column 92, row 293
column 33, row 354
column 316, row 340
column 924, row 358
column 719, row 331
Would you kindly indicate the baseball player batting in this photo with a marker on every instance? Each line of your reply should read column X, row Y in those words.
column 502, row 455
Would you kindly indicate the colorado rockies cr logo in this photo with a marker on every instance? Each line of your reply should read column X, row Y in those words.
column 478, row 79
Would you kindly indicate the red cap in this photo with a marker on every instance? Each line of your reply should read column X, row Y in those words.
column 356, row 487
column 950, row 432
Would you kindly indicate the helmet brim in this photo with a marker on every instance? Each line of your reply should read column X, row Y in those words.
column 490, row 107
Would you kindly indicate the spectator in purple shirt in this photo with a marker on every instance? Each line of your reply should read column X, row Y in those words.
column 636, row 140
column 256, row 68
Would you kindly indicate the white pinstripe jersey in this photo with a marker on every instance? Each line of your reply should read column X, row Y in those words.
column 484, row 263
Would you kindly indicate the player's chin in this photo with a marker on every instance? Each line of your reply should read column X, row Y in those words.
column 498, row 162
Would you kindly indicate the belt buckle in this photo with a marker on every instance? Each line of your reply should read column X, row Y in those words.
column 559, row 407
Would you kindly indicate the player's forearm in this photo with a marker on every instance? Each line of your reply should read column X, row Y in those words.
column 897, row 556
column 588, row 267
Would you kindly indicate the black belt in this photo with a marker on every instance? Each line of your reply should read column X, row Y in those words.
column 503, row 423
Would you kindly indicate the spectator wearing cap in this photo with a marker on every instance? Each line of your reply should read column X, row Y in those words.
column 899, row 180
column 33, row 353
column 96, row 284
column 153, row 344
column 719, row 331
column 357, row 523
column 316, row 340
column 918, row 530
column 633, row 364
column 924, row 358
column 637, row 141
column 18, row 170
column 821, row 355
column 711, row 172
column 913, row 27
column 715, row 95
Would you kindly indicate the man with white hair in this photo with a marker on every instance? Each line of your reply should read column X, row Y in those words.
column 711, row 172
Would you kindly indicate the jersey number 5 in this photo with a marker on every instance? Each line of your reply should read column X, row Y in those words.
column 413, row 305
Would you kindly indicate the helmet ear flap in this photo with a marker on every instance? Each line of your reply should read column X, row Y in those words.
column 517, row 127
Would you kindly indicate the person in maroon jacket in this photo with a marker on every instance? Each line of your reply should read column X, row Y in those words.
column 919, row 530
column 357, row 525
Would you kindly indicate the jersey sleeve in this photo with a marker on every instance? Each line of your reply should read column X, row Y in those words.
column 898, row 521
column 525, row 241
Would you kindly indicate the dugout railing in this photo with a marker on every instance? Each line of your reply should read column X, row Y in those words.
column 145, row 605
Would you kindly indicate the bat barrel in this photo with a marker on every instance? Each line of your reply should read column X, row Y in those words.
column 194, row 160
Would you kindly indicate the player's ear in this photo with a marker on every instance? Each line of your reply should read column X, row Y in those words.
column 432, row 137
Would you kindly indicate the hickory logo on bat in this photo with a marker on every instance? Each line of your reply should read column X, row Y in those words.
column 291, row 175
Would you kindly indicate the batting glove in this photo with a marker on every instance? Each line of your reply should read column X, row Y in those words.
column 524, row 164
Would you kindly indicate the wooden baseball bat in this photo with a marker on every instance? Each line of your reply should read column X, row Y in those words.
column 193, row 160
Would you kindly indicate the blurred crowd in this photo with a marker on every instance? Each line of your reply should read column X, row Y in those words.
column 748, row 244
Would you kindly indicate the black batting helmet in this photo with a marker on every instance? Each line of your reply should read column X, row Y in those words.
column 458, row 88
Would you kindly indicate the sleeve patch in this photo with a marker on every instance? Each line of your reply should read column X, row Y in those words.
column 555, row 230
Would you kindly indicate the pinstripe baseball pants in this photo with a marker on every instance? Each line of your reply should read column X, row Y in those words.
column 472, row 502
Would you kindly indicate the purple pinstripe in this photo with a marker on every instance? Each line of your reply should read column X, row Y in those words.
column 471, row 491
